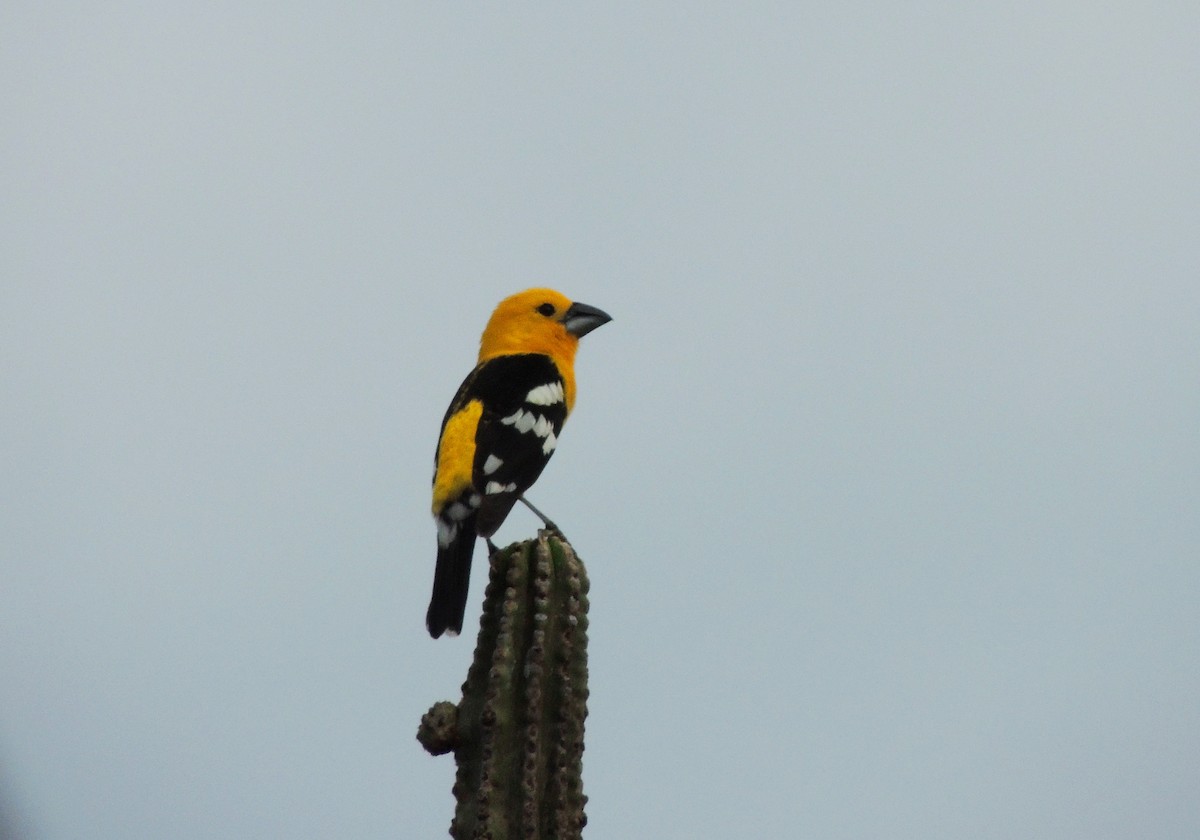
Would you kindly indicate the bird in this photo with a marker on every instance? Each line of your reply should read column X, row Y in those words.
column 499, row 433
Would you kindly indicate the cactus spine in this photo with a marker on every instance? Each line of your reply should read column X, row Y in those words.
column 517, row 735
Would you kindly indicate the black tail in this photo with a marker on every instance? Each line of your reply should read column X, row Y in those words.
column 451, row 582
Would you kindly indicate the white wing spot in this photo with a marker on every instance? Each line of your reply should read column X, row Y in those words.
column 543, row 427
column 447, row 531
column 548, row 394
column 522, row 421
column 527, row 421
column 491, row 464
column 494, row 487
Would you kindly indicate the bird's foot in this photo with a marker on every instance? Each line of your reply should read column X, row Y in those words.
column 550, row 526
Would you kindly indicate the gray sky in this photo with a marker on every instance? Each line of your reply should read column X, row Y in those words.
column 887, row 471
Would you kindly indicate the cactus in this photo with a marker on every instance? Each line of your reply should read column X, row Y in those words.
column 517, row 735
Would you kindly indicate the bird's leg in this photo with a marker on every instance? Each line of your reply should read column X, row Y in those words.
column 492, row 549
column 549, row 525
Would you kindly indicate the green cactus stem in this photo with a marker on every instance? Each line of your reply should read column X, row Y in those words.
column 517, row 735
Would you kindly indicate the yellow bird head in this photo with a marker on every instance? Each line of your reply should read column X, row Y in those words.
column 539, row 321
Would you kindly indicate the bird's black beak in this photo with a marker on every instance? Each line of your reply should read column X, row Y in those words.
column 580, row 319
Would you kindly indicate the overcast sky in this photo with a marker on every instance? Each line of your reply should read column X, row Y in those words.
column 886, row 472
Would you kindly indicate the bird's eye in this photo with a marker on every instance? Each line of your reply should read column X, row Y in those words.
column 546, row 309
